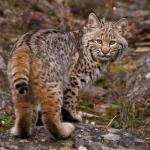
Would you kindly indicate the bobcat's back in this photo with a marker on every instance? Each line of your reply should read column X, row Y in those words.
column 44, row 53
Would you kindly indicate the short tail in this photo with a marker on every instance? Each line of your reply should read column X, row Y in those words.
column 19, row 70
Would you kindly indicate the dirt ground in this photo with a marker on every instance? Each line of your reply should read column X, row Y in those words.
column 86, row 137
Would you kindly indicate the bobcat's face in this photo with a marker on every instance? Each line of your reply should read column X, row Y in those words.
column 104, row 41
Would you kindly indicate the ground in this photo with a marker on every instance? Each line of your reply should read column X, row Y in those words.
column 86, row 137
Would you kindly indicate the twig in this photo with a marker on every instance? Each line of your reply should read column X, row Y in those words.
column 111, row 121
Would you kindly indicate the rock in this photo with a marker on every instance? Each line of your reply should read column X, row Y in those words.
column 65, row 148
column 4, row 99
column 138, row 140
column 89, row 139
column 2, row 148
column 113, row 130
column 24, row 141
column 82, row 148
column 2, row 63
column 119, row 148
column 138, row 84
column 107, row 148
column 7, row 12
column 92, row 92
column 96, row 146
column 4, row 88
column 128, row 135
column 14, row 147
column 111, row 137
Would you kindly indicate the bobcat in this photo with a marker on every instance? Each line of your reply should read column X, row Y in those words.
column 50, row 66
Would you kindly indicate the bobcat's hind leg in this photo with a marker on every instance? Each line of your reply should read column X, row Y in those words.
column 50, row 101
column 23, row 114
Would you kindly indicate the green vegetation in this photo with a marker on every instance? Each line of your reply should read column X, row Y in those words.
column 5, row 122
column 101, row 82
column 120, row 113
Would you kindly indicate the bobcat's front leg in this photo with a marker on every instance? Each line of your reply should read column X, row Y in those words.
column 69, row 111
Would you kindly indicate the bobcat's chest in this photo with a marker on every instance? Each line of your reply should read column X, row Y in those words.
column 88, row 73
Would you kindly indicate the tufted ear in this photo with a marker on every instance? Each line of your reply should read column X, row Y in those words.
column 93, row 21
column 121, row 25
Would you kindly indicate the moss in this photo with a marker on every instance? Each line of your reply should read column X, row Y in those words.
column 6, row 122
column 72, row 3
column 116, row 124
column 101, row 82
column 115, row 68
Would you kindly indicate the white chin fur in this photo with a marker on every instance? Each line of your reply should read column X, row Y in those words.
column 105, row 58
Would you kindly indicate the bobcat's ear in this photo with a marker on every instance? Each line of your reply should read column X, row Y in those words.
column 121, row 25
column 93, row 21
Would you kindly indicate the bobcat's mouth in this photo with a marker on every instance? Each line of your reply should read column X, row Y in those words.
column 105, row 58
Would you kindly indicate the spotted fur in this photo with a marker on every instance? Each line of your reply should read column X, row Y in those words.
column 50, row 66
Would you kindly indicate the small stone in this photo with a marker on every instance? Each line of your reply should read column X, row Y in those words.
column 112, row 130
column 82, row 130
column 104, row 147
column 2, row 148
column 139, row 140
column 111, row 137
column 147, row 75
column 43, row 140
column 128, row 135
column 14, row 147
column 2, row 122
column 82, row 148
column 7, row 12
column 24, row 141
column 79, row 135
column 93, row 123
column 96, row 145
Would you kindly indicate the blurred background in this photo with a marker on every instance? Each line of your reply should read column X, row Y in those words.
column 120, row 99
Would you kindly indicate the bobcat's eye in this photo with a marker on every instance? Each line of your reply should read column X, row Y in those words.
column 99, row 41
column 112, row 42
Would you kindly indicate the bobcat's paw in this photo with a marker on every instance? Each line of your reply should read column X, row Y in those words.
column 21, row 133
column 77, row 117
column 67, row 129
column 72, row 117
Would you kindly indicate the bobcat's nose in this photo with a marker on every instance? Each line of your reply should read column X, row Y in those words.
column 105, row 50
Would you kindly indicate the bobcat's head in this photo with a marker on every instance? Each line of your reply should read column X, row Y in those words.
column 104, row 40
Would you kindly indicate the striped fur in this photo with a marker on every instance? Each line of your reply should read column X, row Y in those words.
column 19, row 68
column 50, row 66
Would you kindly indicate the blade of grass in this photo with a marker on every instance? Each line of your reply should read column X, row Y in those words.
column 111, row 121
